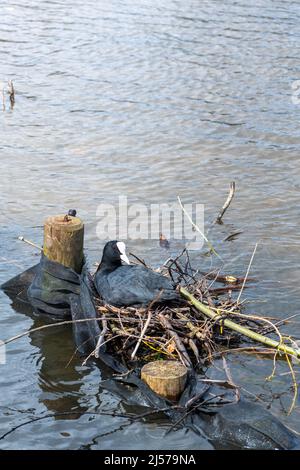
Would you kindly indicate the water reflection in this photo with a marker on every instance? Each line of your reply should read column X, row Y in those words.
column 60, row 383
column 60, row 375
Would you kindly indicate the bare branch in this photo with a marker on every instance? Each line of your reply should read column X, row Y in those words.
column 227, row 203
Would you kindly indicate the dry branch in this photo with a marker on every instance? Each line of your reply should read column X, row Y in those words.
column 11, row 92
column 226, row 204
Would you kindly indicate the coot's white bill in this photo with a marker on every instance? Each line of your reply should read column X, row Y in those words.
column 122, row 249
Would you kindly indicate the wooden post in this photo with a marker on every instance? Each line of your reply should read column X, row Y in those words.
column 63, row 241
column 166, row 378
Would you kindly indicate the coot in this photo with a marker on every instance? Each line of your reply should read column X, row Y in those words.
column 132, row 284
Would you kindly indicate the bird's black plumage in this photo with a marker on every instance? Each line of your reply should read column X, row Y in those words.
column 130, row 285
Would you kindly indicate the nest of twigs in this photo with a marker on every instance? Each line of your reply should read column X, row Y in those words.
column 139, row 335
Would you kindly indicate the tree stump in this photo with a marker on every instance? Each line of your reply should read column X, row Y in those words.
column 166, row 378
column 63, row 241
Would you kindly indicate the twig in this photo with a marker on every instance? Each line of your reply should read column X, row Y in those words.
column 192, row 409
column 225, row 278
column 197, row 228
column 232, row 236
column 254, row 318
column 146, row 325
column 222, row 290
column 11, row 92
column 142, row 335
column 43, row 327
column 236, row 327
column 139, row 260
column 101, row 337
column 22, row 239
column 295, row 385
column 229, row 378
column 92, row 354
column 194, row 348
column 181, row 348
column 227, row 203
column 131, row 417
column 248, row 270
column 194, row 329
column 279, row 323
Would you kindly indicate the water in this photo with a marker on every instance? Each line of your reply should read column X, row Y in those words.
column 147, row 99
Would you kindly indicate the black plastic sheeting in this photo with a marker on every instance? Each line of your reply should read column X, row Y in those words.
column 52, row 289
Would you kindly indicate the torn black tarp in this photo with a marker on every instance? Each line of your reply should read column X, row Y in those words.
column 52, row 289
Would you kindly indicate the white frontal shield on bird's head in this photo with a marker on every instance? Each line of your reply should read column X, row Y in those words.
column 122, row 249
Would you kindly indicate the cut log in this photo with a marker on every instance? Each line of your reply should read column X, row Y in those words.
column 166, row 378
column 63, row 241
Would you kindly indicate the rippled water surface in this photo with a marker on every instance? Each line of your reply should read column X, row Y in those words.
column 149, row 99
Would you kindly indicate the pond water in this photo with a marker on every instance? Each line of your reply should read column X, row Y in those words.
column 147, row 99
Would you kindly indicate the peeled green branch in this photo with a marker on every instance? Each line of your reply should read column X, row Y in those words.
column 236, row 327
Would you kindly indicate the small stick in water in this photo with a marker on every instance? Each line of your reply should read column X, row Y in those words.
column 227, row 203
column 30, row 243
column 11, row 92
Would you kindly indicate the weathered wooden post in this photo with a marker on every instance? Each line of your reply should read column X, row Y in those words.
column 63, row 240
column 166, row 378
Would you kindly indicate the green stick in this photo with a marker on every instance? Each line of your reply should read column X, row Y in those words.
column 240, row 329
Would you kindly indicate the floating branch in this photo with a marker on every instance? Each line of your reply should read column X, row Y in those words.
column 11, row 92
column 227, row 203
column 232, row 236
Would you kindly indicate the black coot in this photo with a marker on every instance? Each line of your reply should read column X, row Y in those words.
column 129, row 285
